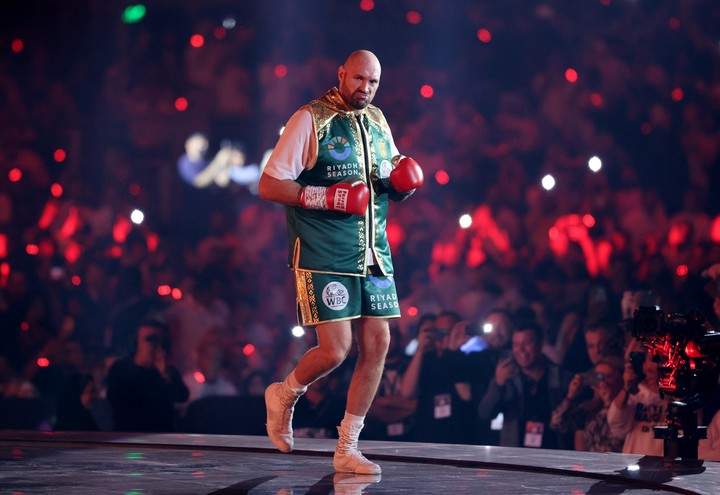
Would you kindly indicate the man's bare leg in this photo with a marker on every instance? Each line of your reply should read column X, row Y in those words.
column 373, row 337
column 334, row 341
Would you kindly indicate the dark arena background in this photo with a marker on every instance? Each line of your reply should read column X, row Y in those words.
column 571, row 152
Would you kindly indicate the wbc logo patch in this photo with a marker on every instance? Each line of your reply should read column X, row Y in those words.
column 335, row 296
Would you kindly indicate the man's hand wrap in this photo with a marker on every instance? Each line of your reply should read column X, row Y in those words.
column 406, row 176
column 348, row 196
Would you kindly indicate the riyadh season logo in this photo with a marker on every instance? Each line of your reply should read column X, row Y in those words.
column 335, row 296
column 380, row 283
column 339, row 148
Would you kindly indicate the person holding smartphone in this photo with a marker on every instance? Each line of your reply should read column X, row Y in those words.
column 526, row 388
column 638, row 407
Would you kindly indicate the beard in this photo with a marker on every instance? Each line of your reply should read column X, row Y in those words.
column 352, row 99
column 359, row 103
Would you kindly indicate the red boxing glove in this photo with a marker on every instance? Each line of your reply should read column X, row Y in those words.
column 406, row 176
column 348, row 196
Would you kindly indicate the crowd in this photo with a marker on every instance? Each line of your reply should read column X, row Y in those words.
column 193, row 303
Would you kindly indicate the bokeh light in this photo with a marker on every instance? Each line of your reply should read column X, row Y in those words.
column 465, row 221
column 677, row 94
column 280, row 71
column 56, row 190
column 297, row 331
column 427, row 91
column 181, row 104
column 15, row 175
column 548, row 182
column 137, row 217
column 197, row 40
column 17, row 45
column 367, row 5
column 133, row 13
column 220, row 33
column 571, row 75
column 248, row 349
column 442, row 177
column 595, row 164
column 413, row 17
column 484, row 35
column 59, row 155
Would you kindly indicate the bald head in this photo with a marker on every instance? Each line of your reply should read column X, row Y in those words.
column 359, row 79
column 363, row 57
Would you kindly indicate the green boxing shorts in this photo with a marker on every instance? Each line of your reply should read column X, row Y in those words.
column 323, row 297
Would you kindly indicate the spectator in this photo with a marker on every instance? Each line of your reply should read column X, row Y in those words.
column 433, row 378
column 588, row 419
column 638, row 406
column 144, row 388
column 479, row 367
column 603, row 339
column 526, row 389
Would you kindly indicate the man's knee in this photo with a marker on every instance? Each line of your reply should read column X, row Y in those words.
column 375, row 344
column 332, row 356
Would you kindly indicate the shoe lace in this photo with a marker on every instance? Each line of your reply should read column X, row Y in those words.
column 349, row 439
column 288, row 403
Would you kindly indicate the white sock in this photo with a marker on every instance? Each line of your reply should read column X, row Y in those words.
column 295, row 385
column 351, row 419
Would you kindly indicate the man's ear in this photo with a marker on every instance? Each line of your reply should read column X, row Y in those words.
column 341, row 73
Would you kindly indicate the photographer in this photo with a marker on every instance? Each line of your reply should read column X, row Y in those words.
column 144, row 388
column 588, row 418
column 638, row 406
column 433, row 378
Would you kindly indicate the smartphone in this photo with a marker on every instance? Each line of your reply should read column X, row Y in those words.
column 591, row 378
column 637, row 360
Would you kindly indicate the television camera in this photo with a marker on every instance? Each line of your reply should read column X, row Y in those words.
column 688, row 357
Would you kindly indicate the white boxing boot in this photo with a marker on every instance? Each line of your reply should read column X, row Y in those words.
column 280, row 402
column 348, row 458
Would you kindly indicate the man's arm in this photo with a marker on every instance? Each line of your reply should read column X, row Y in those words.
column 348, row 196
column 285, row 191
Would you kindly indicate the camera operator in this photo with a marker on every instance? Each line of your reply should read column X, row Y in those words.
column 638, row 406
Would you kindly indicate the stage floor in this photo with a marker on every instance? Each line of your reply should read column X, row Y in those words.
column 134, row 464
